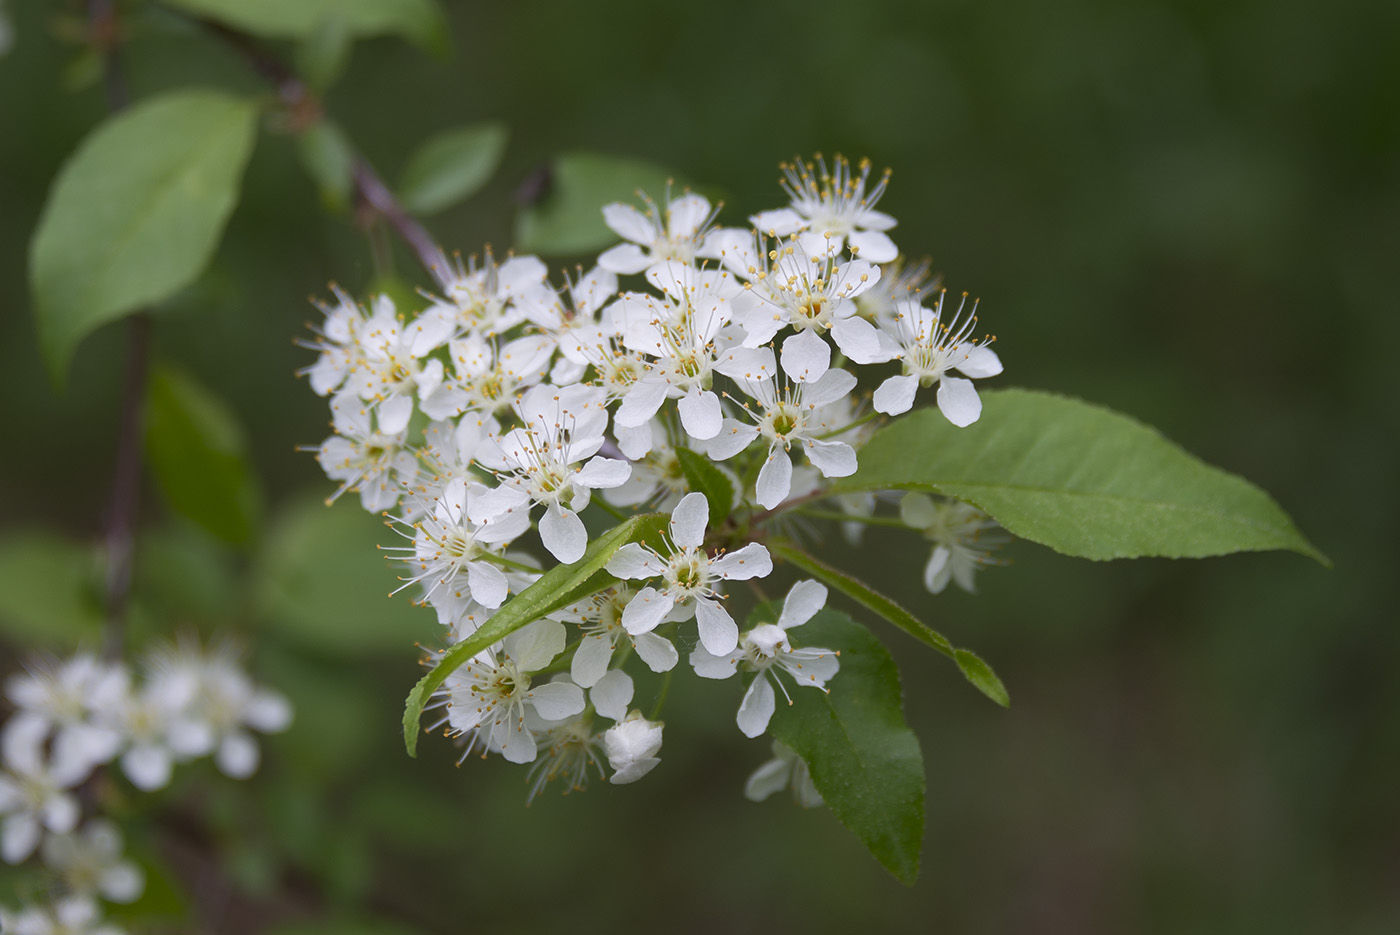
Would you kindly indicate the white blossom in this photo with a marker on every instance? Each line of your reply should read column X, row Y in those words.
column 675, row 233
column 786, row 415
column 486, row 379
column 538, row 465
column 929, row 347
column 785, row 770
column 689, row 577
column 71, row 915
column 767, row 646
column 33, row 788
column 484, row 299
column 61, row 693
column 90, row 863
column 600, row 617
column 375, row 463
column 487, row 697
column 963, row 536
column 632, row 746
column 831, row 207
column 392, row 371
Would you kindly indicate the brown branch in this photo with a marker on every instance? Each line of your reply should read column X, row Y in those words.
column 119, row 525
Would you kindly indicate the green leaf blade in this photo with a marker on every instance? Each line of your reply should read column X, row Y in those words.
column 702, row 475
column 452, row 167
column 419, row 21
column 981, row 675
column 136, row 212
column 558, row 587
column 1078, row 478
column 863, row 758
column 199, row 455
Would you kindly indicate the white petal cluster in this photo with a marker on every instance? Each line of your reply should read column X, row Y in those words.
column 963, row 536
column 75, row 715
column 507, row 408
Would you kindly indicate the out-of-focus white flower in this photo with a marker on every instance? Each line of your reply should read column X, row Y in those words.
column 90, row 863
column 831, row 207
column 675, row 233
column 767, row 646
column 487, row 697
column 33, row 788
column 72, row 915
column 785, row 770
column 963, row 536
column 632, row 746
column 929, row 347
column 689, row 577
column 62, row 694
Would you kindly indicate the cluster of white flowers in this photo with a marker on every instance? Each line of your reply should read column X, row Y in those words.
column 72, row 716
column 506, row 405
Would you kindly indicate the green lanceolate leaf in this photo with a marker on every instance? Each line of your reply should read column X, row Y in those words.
column 198, row 453
column 981, row 675
column 452, row 166
column 1079, row 478
column 702, row 475
column 864, row 759
column 561, row 585
column 569, row 219
column 419, row 21
column 977, row 672
column 135, row 214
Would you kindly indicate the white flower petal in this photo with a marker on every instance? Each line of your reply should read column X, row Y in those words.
column 719, row 634
column 612, row 694
column 833, row 385
column 709, row 666
column 939, row 570
column 859, row 341
column 237, row 756
column 874, row 246
column 600, row 472
column 563, row 534
column 980, row 361
column 756, row 710
column 147, row 766
column 657, row 652
column 626, row 259
column 19, row 837
column 701, row 415
column 591, row 660
column 635, row 560
column 782, row 221
column 487, row 584
column 769, row 778
column 535, row 645
column 733, row 437
column 896, row 395
column 646, row 610
column 751, row 561
column 775, row 477
column 805, row 356
column 555, row 701
column 959, row 401
column 629, row 223
column 803, row 601
column 685, row 215
column 833, row 459
column 689, row 519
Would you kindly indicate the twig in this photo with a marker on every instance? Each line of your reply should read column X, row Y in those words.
column 119, row 532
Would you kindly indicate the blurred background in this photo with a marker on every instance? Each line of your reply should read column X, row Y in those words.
column 1187, row 211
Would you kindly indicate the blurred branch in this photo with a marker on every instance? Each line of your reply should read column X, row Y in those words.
column 119, row 532
column 305, row 108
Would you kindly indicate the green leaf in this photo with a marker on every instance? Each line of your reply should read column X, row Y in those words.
column 452, row 166
column 323, row 583
column 329, row 158
column 979, row 673
column 864, row 759
column 419, row 21
column 702, row 475
column 136, row 212
column 1076, row 477
column 48, row 593
column 561, row 585
column 569, row 219
column 323, row 55
column 198, row 453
